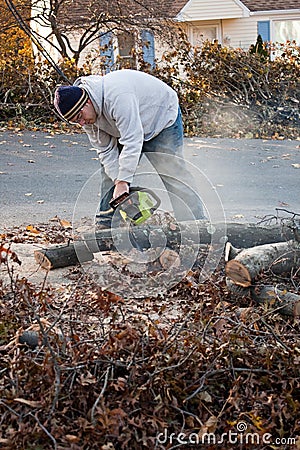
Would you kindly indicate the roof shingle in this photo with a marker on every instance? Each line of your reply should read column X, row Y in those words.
column 84, row 10
column 270, row 5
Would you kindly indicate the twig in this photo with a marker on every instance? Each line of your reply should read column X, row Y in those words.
column 62, row 309
column 211, row 373
column 275, row 335
column 289, row 212
column 182, row 411
column 175, row 366
column 199, row 388
column 45, row 430
column 99, row 396
column 9, row 408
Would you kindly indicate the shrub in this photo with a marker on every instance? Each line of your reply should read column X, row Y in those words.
column 223, row 91
column 232, row 92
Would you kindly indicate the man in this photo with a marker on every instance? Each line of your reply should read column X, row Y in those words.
column 126, row 113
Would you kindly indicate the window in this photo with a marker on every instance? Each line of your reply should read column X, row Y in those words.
column 126, row 51
column 120, row 51
column 282, row 31
column 278, row 32
column 201, row 34
column 263, row 29
column 286, row 30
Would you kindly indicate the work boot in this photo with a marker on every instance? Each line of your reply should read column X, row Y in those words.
column 102, row 225
column 103, row 219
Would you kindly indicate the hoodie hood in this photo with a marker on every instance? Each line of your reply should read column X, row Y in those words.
column 93, row 85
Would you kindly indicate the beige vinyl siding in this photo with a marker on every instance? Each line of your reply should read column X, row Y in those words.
column 235, row 33
column 206, row 10
column 241, row 33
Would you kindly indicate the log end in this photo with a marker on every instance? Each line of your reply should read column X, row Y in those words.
column 238, row 273
column 230, row 251
column 42, row 260
column 296, row 311
column 169, row 258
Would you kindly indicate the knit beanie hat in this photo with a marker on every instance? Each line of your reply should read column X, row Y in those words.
column 69, row 100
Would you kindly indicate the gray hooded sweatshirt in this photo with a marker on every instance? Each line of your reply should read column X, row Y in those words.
column 131, row 107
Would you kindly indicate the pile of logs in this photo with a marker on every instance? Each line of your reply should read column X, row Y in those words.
column 243, row 268
column 250, row 250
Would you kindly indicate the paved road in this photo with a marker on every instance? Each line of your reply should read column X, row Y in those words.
column 41, row 175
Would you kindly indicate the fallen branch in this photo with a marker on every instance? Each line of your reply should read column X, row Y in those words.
column 243, row 267
column 246, row 264
column 242, row 235
column 286, row 303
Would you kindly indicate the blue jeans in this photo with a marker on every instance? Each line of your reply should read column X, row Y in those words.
column 165, row 152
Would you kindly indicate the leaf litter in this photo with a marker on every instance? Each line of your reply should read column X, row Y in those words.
column 109, row 372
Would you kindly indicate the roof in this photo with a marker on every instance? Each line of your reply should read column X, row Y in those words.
column 271, row 5
column 85, row 10
column 167, row 8
column 82, row 11
column 253, row 5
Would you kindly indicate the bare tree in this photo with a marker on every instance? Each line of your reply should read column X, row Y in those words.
column 68, row 27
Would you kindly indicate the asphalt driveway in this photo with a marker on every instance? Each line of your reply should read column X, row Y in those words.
column 42, row 175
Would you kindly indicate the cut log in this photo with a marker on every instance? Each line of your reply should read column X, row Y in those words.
column 201, row 232
column 247, row 264
column 240, row 235
column 169, row 258
column 62, row 256
column 280, row 257
column 238, row 273
column 286, row 303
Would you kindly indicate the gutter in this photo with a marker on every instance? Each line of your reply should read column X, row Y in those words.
column 276, row 11
column 181, row 17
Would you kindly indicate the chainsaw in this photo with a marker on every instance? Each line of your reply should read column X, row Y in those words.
column 137, row 206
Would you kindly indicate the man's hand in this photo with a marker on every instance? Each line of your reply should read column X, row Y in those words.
column 120, row 188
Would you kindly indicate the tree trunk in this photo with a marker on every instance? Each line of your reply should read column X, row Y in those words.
column 280, row 257
column 243, row 266
column 242, row 235
column 286, row 303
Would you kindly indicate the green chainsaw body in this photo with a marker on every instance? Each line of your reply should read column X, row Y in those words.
column 137, row 206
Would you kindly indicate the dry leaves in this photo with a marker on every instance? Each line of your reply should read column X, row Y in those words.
column 6, row 253
column 65, row 223
column 109, row 373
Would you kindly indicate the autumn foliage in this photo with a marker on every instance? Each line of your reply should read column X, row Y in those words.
column 224, row 92
column 16, row 65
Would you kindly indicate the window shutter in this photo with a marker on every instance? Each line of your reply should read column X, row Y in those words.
column 263, row 29
column 148, row 47
column 107, row 50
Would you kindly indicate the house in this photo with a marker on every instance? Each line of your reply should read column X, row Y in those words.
column 233, row 23
column 237, row 23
